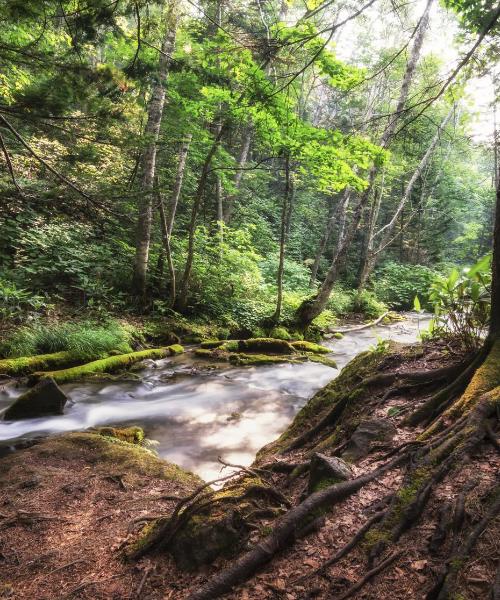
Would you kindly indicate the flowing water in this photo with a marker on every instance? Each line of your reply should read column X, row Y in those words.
column 196, row 412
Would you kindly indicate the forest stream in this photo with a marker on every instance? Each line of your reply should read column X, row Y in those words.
column 196, row 411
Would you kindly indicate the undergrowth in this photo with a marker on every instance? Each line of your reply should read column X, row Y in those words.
column 84, row 339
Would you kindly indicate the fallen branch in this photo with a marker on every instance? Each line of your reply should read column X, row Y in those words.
column 359, row 327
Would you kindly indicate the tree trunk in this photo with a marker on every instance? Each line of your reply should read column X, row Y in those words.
column 339, row 208
column 286, row 214
column 176, row 190
column 494, row 329
column 386, row 231
column 313, row 307
column 181, row 299
column 242, row 159
column 166, row 245
column 148, row 167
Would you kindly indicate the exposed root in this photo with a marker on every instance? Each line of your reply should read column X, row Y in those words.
column 284, row 533
column 354, row 541
column 370, row 575
column 445, row 588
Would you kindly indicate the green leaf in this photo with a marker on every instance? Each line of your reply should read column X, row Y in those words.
column 416, row 304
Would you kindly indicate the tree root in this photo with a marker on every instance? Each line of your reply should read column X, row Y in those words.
column 370, row 575
column 446, row 585
column 284, row 532
column 354, row 541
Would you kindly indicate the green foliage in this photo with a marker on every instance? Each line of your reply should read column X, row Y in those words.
column 462, row 303
column 367, row 304
column 16, row 302
column 397, row 284
column 83, row 340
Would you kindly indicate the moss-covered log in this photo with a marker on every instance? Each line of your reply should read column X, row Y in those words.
column 107, row 365
column 303, row 346
column 25, row 365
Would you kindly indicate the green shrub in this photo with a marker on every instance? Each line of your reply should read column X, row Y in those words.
column 340, row 301
column 84, row 340
column 366, row 303
column 397, row 284
column 16, row 302
column 462, row 303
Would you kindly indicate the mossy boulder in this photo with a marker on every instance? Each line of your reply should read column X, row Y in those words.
column 303, row 346
column 44, row 399
column 327, row 468
column 266, row 346
column 243, row 359
column 210, row 344
column 324, row 360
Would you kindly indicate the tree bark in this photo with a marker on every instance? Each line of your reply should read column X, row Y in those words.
column 181, row 299
column 148, row 167
column 494, row 329
column 166, row 245
column 242, row 160
column 176, row 190
column 313, row 307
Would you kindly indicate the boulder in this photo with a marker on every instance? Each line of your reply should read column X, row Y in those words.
column 366, row 435
column 327, row 470
column 44, row 399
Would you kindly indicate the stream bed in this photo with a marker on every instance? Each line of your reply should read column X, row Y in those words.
column 196, row 412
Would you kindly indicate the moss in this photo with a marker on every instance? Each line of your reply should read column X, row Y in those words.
column 280, row 333
column 485, row 379
column 265, row 345
column 28, row 364
column 175, row 349
column 210, row 344
column 132, row 435
column 324, row 360
column 231, row 346
column 264, row 359
column 217, row 354
column 109, row 364
column 303, row 346
column 338, row 336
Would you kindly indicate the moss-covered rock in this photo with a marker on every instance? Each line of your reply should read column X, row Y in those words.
column 221, row 528
column 210, row 344
column 330, row 469
column 243, row 359
column 266, row 346
column 44, row 399
column 132, row 435
column 107, row 365
column 303, row 346
column 337, row 335
column 324, row 360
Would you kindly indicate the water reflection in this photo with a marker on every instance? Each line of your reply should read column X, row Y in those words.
column 195, row 416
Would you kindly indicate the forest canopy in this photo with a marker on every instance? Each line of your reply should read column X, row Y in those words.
column 240, row 161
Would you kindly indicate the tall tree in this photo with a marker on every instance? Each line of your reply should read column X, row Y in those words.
column 148, row 165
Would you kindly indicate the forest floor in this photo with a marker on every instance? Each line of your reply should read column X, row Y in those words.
column 69, row 505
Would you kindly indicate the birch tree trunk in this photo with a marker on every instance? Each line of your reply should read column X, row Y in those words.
column 148, row 166
column 312, row 307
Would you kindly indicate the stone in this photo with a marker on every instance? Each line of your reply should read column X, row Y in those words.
column 366, row 435
column 44, row 399
column 327, row 470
